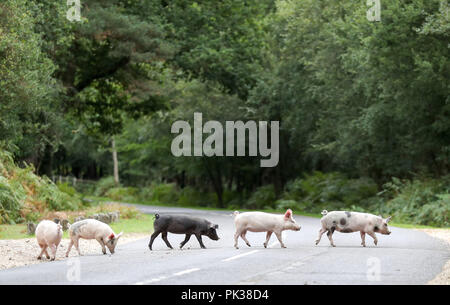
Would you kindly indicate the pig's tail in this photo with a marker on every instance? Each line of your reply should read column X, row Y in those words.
column 324, row 212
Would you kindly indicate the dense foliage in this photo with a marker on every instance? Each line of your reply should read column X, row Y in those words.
column 364, row 107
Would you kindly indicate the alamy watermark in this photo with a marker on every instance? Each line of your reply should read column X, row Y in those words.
column 74, row 11
column 374, row 11
column 373, row 269
column 235, row 132
column 74, row 269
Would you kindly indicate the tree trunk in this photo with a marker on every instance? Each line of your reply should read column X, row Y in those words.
column 115, row 162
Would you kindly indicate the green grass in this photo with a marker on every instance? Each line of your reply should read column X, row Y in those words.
column 144, row 224
column 13, row 232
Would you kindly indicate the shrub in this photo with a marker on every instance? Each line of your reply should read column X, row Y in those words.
column 190, row 196
column 263, row 198
column 124, row 194
column 422, row 201
column 331, row 191
column 24, row 195
column 163, row 192
column 104, row 185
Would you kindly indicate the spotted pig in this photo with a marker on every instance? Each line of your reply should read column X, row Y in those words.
column 348, row 222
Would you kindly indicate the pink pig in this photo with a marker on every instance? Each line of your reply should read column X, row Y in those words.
column 93, row 229
column 263, row 222
column 48, row 235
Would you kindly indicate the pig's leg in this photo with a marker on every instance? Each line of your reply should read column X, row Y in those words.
column 70, row 247
column 164, row 237
column 76, row 245
column 188, row 236
column 375, row 239
column 43, row 248
column 269, row 233
column 363, row 238
column 53, row 248
column 46, row 253
column 278, row 235
column 100, row 241
column 154, row 235
column 244, row 238
column 199, row 238
column 322, row 230
column 236, row 238
column 330, row 236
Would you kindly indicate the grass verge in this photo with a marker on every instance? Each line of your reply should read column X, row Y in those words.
column 142, row 224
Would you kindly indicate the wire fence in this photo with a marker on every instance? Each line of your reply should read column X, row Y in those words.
column 81, row 185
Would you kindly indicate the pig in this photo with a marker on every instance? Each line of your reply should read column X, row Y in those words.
column 263, row 222
column 348, row 222
column 93, row 229
column 183, row 224
column 48, row 235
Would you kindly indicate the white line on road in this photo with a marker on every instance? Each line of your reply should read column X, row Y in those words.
column 152, row 280
column 186, row 271
column 239, row 255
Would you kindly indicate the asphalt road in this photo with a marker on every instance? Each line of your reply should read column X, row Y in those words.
column 404, row 257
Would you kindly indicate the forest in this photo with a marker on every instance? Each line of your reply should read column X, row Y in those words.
column 363, row 106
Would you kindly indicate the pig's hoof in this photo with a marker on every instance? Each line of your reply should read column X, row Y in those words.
column 265, row 245
column 39, row 258
column 248, row 245
column 53, row 259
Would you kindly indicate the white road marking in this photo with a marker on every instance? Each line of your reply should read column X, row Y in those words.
column 152, row 280
column 158, row 279
column 186, row 271
column 239, row 255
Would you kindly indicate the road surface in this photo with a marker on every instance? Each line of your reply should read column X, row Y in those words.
column 404, row 257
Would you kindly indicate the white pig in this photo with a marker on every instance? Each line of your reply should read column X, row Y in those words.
column 93, row 229
column 263, row 222
column 48, row 235
column 348, row 222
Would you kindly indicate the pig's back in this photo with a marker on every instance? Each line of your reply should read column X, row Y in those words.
column 48, row 232
column 257, row 221
column 88, row 228
column 178, row 223
column 353, row 220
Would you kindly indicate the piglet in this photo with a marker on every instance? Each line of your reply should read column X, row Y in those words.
column 48, row 235
column 263, row 222
column 348, row 222
column 183, row 224
column 93, row 229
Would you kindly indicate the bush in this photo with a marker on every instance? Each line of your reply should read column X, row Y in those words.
column 167, row 193
column 422, row 201
column 25, row 196
column 104, row 185
column 190, row 196
column 263, row 198
column 331, row 191
column 124, row 194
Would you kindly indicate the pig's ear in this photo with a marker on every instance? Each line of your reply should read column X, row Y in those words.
column 216, row 226
column 388, row 219
column 111, row 236
column 288, row 214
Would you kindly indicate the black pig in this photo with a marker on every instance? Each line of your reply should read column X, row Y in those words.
column 182, row 224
